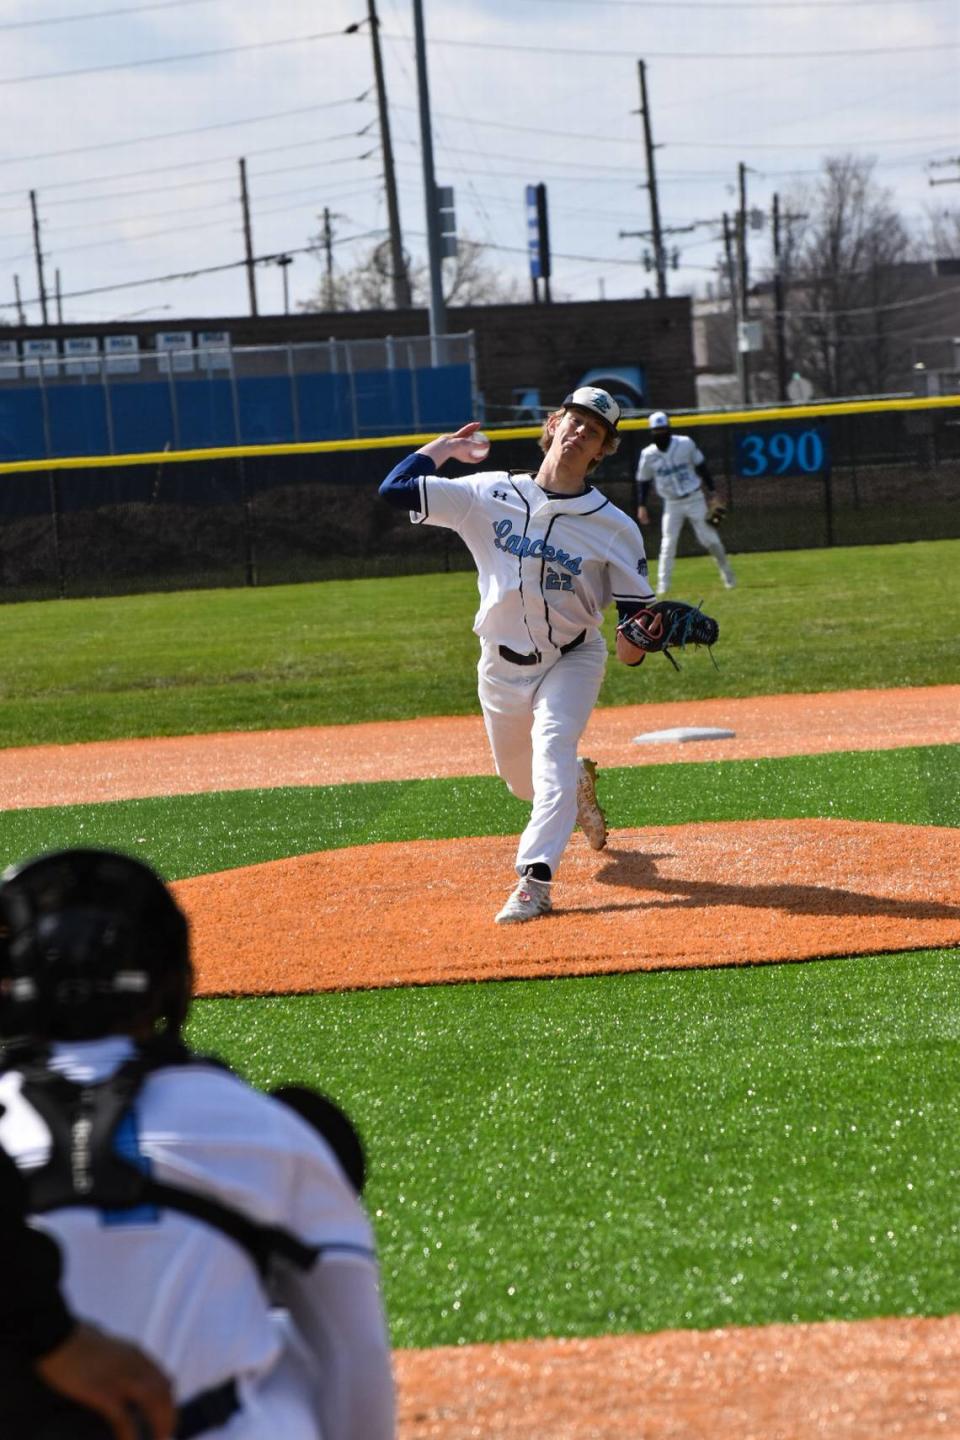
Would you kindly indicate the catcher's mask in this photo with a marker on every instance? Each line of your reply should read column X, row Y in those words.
column 90, row 941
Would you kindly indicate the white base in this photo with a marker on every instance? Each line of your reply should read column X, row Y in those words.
column 681, row 733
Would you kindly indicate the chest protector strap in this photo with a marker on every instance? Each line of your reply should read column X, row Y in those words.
column 84, row 1168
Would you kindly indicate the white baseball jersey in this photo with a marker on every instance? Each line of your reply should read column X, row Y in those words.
column 547, row 565
column 185, row 1292
column 673, row 471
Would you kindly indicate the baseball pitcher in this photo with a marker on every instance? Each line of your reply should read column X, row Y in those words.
column 551, row 553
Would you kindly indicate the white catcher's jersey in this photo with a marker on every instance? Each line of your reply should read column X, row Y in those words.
column 547, row 566
column 673, row 471
column 190, row 1296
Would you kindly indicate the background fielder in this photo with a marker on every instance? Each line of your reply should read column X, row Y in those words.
column 676, row 467
column 551, row 554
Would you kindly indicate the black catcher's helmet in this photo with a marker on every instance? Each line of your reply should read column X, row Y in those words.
column 89, row 941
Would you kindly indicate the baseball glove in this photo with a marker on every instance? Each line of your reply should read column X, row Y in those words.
column 715, row 512
column 664, row 625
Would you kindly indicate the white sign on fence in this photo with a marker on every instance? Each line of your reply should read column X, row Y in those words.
column 178, row 344
column 213, row 349
column 81, row 354
column 37, row 353
column 9, row 360
column 121, row 352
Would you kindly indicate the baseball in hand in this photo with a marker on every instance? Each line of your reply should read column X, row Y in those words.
column 479, row 445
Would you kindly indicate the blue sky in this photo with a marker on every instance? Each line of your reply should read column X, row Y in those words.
column 135, row 163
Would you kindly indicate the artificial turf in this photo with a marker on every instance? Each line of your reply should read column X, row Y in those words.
column 642, row 1152
column 344, row 651
column 198, row 834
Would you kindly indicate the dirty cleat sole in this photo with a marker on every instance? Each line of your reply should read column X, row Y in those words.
column 590, row 817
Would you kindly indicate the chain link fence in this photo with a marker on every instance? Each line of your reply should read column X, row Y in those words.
column 888, row 474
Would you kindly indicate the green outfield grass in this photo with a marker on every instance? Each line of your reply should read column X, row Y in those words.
column 344, row 651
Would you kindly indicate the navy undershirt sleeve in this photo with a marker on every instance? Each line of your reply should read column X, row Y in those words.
column 401, row 487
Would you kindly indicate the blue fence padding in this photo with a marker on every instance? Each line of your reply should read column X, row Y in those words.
column 141, row 415
column 21, row 425
column 384, row 401
column 328, row 407
column 324, row 407
column 265, row 403
column 205, row 416
column 78, row 420
column 444, row 396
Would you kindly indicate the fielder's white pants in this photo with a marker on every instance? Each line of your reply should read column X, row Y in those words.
column 675, row 514
column 535, row 715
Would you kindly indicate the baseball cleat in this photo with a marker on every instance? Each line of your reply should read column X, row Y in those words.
column 529, row 900
column 729, row 579
column 590, row 817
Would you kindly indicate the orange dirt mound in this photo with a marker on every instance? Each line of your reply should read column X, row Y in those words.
column 695, row 895
column 839, row 1381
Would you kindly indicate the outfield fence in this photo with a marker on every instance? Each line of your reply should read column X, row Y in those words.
column 799, row 477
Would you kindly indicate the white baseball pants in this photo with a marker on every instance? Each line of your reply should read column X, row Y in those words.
column 675, row 513
column 535, row 715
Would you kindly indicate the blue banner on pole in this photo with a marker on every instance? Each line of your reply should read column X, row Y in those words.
column 533, row 233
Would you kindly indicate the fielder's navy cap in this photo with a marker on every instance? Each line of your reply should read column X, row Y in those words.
column 598, row 402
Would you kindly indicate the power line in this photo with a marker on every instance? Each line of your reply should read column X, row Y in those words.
column 716, row 55
column 97, row 14
column 738, row 145
column 191, row 274
column 178, row 134
column 173, row 59
column 193, row 184
column 737, row 4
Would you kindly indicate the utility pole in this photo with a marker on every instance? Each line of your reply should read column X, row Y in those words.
column 659, row 258
column 779, row 318
column 401, row 280
column 21, row 317
column 733, row 288
column 248, row 238
column 742, row 281
column 38, row 253
column 438, row 312
column 328, row 296
column 285, row 261
column 57, row 293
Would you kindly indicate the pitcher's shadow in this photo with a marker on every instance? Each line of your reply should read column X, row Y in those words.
column 636, row 870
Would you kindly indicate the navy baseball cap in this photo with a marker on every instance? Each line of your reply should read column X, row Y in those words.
column 598, row 402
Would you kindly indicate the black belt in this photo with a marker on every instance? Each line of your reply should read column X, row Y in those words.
column 534, row 659
column 207, row 1411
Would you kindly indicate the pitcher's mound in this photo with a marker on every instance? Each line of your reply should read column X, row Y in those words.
column 692, row 895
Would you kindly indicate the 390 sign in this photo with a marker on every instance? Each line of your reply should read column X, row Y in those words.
column 783, row 450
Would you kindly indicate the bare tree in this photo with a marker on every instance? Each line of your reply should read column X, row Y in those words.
column 844, row 264
column 941, row 240
column 468, row 279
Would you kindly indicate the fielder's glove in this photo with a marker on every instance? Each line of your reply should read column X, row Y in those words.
column 715, row 513
column 664, row 625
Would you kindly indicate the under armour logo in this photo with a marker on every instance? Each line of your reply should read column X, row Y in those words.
column 500, row 495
